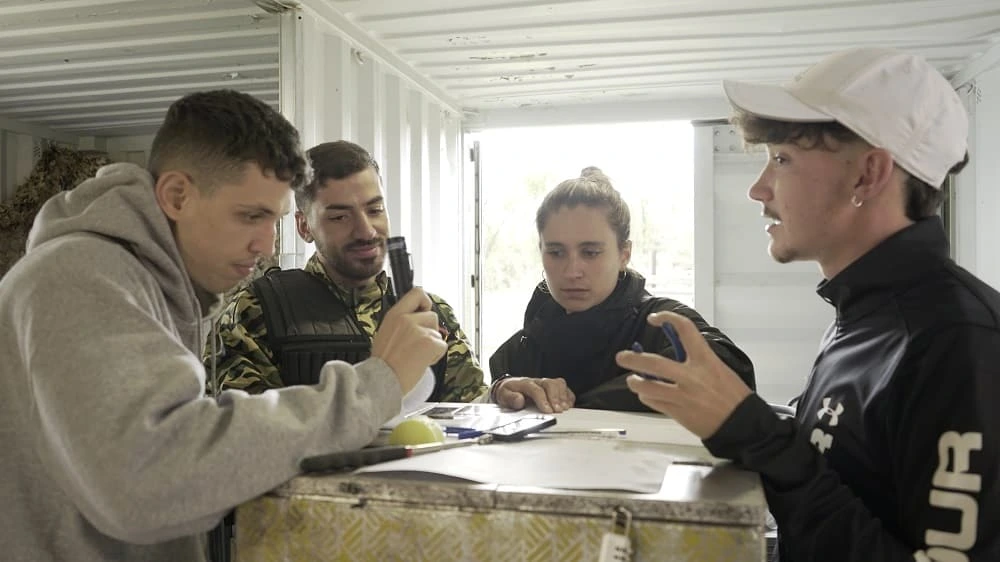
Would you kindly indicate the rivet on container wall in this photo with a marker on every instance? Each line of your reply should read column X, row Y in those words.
column 359, row 57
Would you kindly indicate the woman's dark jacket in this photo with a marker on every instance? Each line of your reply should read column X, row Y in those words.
column 581, row 347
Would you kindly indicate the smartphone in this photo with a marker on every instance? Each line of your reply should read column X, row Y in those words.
column 522, row 427
column 445, row 412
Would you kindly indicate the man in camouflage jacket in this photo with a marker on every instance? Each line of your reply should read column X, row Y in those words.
column 342, row 211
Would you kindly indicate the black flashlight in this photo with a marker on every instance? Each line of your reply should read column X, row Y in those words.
column 399, row 264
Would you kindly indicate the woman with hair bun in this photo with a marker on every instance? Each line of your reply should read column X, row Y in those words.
column 590, row 306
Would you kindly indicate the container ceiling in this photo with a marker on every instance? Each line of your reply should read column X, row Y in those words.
column 494, row 54
column 111, row 67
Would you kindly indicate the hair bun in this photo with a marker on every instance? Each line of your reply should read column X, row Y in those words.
column 594, row 174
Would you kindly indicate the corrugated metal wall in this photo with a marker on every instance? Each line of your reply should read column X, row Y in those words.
column 16, row 159
column 977, row 188
column 20, row 144
column 334, row 89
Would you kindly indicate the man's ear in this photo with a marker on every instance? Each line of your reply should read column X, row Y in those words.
column 876, row 167
column 302, row 226
column 173, row 191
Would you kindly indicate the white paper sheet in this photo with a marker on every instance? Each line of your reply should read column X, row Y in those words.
column 641, row 426
column 577, row 464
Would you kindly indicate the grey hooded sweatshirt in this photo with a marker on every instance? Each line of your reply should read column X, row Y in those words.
column 110, row 448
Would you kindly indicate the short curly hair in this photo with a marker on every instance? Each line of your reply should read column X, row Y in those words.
column 213, row 135
column 332, row 161
column 922, row 199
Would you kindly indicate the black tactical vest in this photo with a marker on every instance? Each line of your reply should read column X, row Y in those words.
column 308, row 325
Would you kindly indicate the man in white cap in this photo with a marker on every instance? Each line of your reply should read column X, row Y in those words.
column 893, row 452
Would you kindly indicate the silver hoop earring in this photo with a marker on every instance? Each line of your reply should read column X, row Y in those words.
column 857, row 202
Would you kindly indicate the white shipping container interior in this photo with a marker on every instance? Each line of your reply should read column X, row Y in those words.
column 407, row 78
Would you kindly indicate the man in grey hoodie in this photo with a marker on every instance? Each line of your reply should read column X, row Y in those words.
column 111, row 450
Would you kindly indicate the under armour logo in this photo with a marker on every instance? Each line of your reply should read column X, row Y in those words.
column 834, row 412
column 822, row 441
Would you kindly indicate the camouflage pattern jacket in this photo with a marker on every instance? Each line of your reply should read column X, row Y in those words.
column 244, row 360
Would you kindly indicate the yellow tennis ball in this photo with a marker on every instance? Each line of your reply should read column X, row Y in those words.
column 416, row 431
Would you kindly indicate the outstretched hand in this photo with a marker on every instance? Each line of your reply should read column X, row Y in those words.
column 704, row 391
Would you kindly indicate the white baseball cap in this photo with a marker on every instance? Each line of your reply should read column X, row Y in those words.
column 893, row 100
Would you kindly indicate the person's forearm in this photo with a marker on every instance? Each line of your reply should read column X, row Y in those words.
column 819, row 518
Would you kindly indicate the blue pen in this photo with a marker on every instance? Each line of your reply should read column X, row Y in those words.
column 462, row 432
column 637, row 347
column 675, row 341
